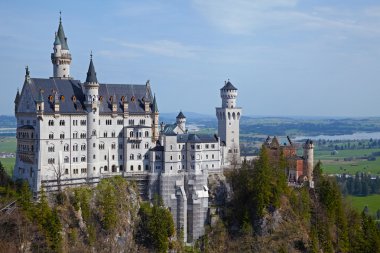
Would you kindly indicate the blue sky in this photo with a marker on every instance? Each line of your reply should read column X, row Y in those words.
column 286, row 57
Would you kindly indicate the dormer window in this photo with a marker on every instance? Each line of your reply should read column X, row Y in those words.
column 133, row 99
column 50, row 98
column 74, row 98
column 62, row 98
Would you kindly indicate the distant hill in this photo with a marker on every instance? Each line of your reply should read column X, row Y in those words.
column 259, row 125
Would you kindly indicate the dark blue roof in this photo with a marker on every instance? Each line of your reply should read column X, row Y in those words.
column 197, row 138
column 180, row 115
column 91, row 74
column 229, row 86
column 67, row 89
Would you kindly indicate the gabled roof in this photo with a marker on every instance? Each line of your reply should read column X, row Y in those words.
column 228, row 86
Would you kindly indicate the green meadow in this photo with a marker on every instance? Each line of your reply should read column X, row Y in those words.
column 335, row 164
column 359, row 202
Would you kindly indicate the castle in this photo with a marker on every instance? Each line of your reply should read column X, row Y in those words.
column 71, row 133
column 299, row 168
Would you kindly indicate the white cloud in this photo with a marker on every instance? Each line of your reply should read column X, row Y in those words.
column 245, row 17
column 166, row 48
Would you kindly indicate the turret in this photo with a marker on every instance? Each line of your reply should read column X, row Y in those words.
column 155, row 119
column 308, row 155
column 229, row 124
column 228, row 93
column 181, row 121
column 61, row 57
column 91, row 87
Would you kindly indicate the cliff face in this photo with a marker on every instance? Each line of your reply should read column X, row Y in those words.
column 100, row 219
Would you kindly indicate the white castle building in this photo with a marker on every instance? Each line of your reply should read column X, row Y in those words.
column 71, row 133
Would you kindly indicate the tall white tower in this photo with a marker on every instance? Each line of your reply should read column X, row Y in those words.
column 61, row 57
column 228, row 123
column 92, row 105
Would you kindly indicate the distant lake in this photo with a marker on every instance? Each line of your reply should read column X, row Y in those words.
column 343, row 137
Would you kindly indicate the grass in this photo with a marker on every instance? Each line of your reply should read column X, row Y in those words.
column 8, row 144
column 358, row 202
column 8, row 164
column 335, row 164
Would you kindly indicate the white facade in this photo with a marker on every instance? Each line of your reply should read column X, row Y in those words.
column 229, row 124
column 71, row 133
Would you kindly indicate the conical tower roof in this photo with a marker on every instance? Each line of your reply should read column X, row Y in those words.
column 91, row 74
column 61, row 35
column 181, row 115
column 57, row 41
column 155, row 107
column 228, row 86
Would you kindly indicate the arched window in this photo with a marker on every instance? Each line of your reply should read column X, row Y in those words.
column 233, row 115
column 131, row 167
column 114, row 169
column 131, row 156
column 146, row 134
column 105, row 168
column 131, row 134
column 139, row 167
column 229, row 115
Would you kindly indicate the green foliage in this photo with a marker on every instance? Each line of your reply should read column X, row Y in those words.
column 257, row 188
column 107, row 200
column 4, row 177
column 156, row 226
column 82, row 200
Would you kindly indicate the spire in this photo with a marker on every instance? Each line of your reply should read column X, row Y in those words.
column 155, row 107
column 57, row 41
column 91, row 74
column 17, row 98
column 27, row 74
column 146, row 97
column 61, row 34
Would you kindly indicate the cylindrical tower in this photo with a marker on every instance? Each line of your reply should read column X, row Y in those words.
column 181, row 121
column 92, row 105
column 229, row 124
column 228, row 94
column 308, row 155
column 61, row 57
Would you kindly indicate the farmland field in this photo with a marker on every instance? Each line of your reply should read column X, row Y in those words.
column 358, row 202
column 335, row 164
column 8, row 164
column 8, row 144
